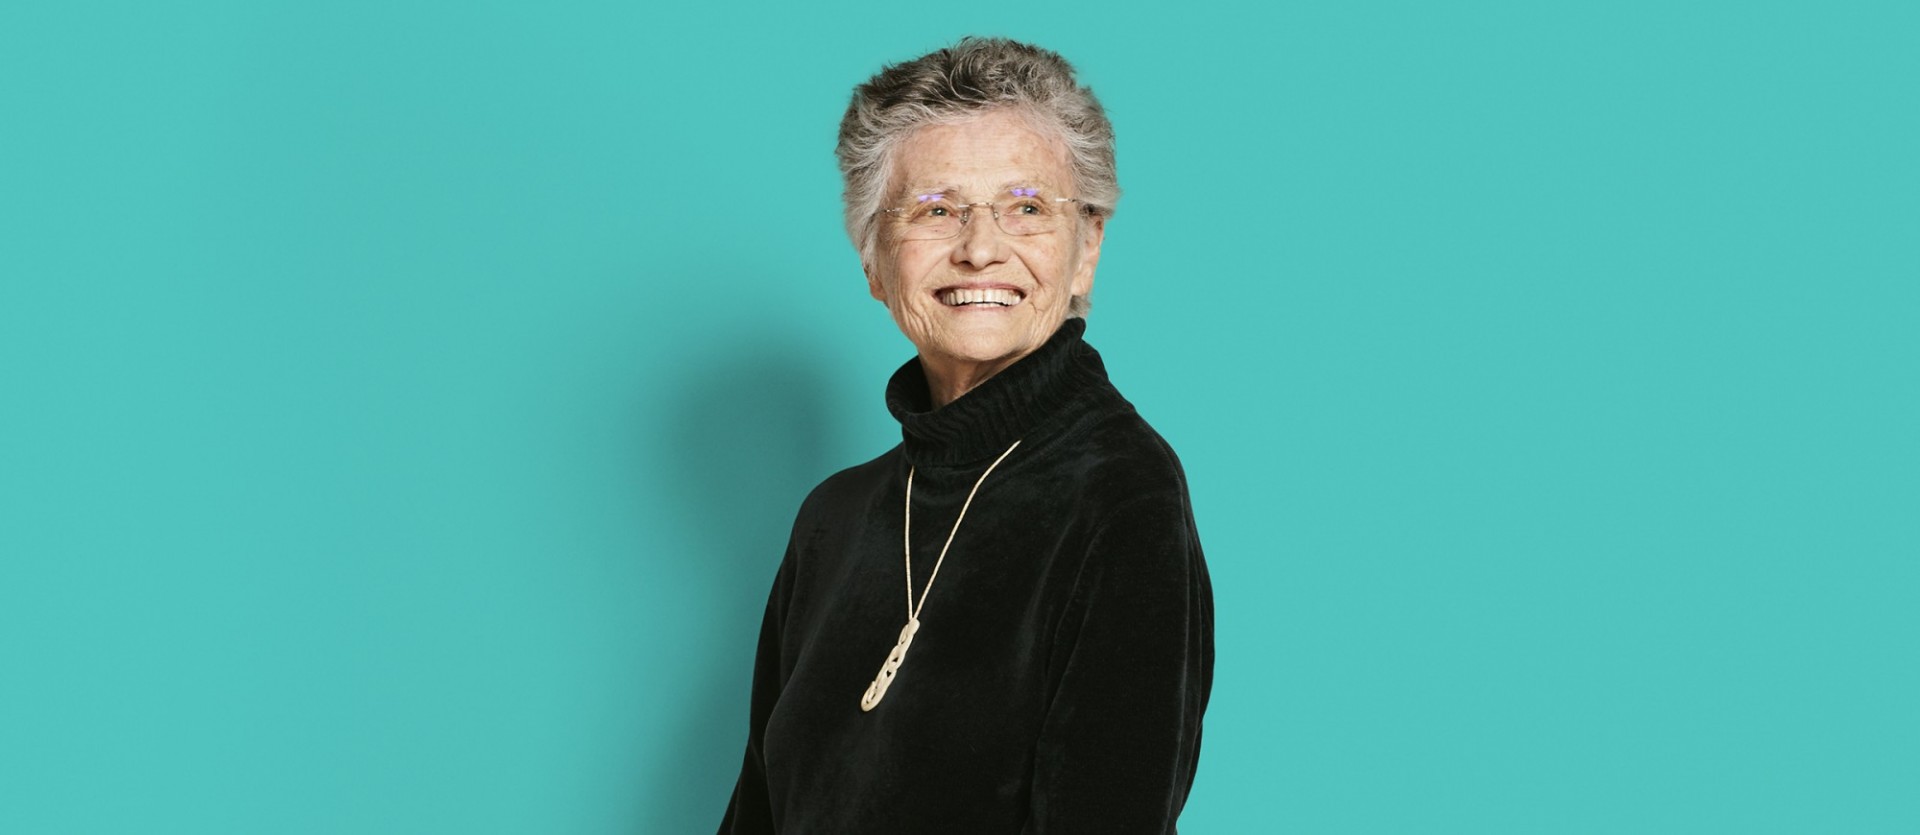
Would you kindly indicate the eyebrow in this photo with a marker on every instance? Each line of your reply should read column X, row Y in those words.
column 916, row 192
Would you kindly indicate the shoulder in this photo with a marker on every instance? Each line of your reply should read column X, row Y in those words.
column 1129, row 464
column 854, row 486
column 822, row 520
column 1142, row 553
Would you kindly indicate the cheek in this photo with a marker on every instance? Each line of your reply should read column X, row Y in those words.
column 887, row 265
column 911, row 267
column 1060, row 264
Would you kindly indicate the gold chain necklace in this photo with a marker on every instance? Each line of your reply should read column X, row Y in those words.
column 878, row 689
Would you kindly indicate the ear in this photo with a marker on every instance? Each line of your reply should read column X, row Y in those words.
column 874, row 288
column 1094, row 234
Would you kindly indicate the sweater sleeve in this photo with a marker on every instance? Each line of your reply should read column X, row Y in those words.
column 750, row 811
column 1134, row 655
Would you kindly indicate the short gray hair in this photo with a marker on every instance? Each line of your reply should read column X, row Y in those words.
column 950, row 85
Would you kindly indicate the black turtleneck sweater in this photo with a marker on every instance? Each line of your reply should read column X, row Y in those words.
column 1064, row 655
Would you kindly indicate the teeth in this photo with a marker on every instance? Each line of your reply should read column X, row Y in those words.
column 957, row 297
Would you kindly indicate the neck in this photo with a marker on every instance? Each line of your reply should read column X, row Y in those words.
column 1004, row 401
column 948, row 379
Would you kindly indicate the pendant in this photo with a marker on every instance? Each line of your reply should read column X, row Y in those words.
column 878, row 689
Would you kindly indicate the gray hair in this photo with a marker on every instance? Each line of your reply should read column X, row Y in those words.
column 950, row 85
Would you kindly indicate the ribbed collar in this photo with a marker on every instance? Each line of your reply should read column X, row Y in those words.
column 1009, row 406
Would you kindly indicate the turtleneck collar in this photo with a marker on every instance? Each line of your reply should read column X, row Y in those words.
column 1009, row 406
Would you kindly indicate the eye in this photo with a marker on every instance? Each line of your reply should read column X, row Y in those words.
column 1030, row 207
column 929, row 209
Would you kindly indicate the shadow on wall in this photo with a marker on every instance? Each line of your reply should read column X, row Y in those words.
column 751, row 435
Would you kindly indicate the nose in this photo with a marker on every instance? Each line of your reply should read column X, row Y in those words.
column 981, row 242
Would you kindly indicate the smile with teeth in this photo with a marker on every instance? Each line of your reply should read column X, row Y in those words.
column 981, row 297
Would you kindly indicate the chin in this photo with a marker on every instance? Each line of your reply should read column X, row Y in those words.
column 986, row 347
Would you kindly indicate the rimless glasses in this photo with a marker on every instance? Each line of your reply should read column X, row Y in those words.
column 1024, row 211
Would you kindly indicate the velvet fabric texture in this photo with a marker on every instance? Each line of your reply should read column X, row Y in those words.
column 1065, row 653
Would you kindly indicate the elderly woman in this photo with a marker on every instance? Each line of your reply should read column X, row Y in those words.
column 1004, row 624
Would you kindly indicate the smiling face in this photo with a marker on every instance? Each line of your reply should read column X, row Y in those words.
column 975, row 303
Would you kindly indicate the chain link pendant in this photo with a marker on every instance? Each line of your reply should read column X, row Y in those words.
column 878, row 689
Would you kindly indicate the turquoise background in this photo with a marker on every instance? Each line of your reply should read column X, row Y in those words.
column 402, row 407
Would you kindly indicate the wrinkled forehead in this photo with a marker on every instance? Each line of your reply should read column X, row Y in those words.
column 982, row 158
